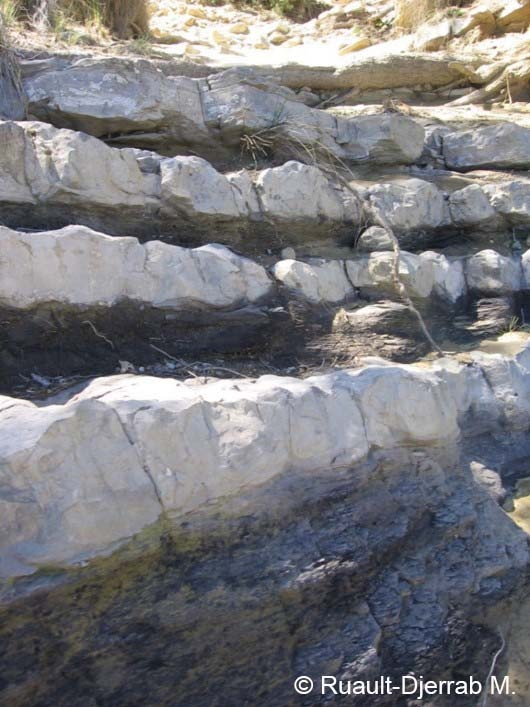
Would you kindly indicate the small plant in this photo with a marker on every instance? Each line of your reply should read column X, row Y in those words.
column 515, row 324
column 9, row 12
column 260, row 144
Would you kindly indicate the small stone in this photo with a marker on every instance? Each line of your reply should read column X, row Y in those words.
column 190, row 22
column 219, row 38
column 294, row 42
column 197, row 12
column 288, row 253
column 356, row 46
column 239, row 28
column 190, row 49
column 277, row 39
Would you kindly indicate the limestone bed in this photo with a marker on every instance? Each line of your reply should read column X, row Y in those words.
column 228, row 454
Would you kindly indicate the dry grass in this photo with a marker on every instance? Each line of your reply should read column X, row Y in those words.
column 410, row 14
column 124, row 18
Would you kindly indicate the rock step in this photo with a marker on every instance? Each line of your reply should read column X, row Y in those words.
column 67, row 176
column 78, row 302
column 76, row 267
column 138, row 105
column 176, row 446
column 141, row 107
column 428, row 274
column 217, row 117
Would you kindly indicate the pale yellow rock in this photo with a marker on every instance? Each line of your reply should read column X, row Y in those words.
column 277, row 39
column 190, row 50
column 219, row 38
column 282, row 28
column 355, row 46
column 197, row 12
column 261, row 44
column 190, row 22
column 294, row 42
column 239, row 28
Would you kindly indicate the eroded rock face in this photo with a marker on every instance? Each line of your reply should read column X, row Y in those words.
column 304, row 487
column 165, row 430
column 410, row 205
column 79, row 267
column 511, row 200
column 505, row 145
column 66, row 173
column 206, row 116
column 490, row 272
column 449, row 279
column 377, row 270
column 470, row 206
column 316, row 281
column 69, row 176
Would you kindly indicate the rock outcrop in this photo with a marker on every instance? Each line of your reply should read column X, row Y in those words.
column 209, row 117
column 228, row 456
column 69, row 176
column 158, row 432
column 77, row 267
column 348, row 468
column 498, row 146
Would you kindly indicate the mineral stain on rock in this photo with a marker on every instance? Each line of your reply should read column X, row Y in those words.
column 328, row 575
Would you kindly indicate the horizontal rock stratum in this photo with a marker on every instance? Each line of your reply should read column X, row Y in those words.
column 67, row 176
column 137, row 101
column 79, row 477
column 78, row 268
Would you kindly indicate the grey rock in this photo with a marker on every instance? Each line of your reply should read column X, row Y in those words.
column 176, row 114
column 373, row 239
column 489, row 272
column 503, row 145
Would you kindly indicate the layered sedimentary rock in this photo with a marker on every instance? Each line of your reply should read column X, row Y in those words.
column 68, row 176
column 135, row 100
column 426, row 275
column 283, row 501
column 164, row 431
column 504, row 145
column 77, row 267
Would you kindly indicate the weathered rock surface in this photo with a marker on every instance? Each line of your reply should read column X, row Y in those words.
column 373, row 239
column 377, row 270
column 511, row 200
column 317, row 281
column 207, row 116
column 410, row 205
column 12, row 99
column 470, row 206
column 505, row 145
column 68, row 175
column 79, row 267
column 159, row 432
column 492, row 273
column 448, row 273
column 300, row 492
